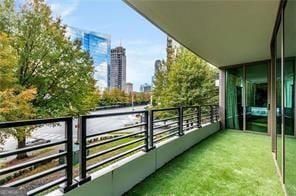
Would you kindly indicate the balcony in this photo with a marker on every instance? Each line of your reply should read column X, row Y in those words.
column 171, row 151
column 106, row 157
column 228, row 163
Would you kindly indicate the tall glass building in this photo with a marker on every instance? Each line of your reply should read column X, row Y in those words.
column 99, row 47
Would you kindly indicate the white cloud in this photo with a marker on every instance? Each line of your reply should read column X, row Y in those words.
column 63, row 8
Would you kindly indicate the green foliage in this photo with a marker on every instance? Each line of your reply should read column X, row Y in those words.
column 116, row 96
column 187, row 80
column 43, row 73
column 48, row 61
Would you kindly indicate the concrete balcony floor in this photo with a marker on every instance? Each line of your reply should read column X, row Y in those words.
column 228, row 163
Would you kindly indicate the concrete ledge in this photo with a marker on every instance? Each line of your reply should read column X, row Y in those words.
column 133, row 172
column 101, row 185
column 121, row 176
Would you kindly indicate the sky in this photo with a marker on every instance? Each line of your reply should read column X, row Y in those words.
column 144, row 42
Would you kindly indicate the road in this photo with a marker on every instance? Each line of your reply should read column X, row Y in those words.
column 55, row 133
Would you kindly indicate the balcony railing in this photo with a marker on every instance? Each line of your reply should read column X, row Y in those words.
column 67, row 141
column 102, row 148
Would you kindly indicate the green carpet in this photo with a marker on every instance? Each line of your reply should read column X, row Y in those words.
column 227, row 163
column 290, row 165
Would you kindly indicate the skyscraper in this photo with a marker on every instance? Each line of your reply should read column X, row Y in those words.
column 98, row 46
column 172, row 49
column 129, row 88
column 157, row 65
column 117, row 70
column 145, row 88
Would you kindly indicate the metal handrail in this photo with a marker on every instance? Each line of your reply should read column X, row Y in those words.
column 165, row 109
column 68, row 153
column 113, row 158
column 165, row 119
column 161, row 126
column 31, row 148
column 144, row 140
column 167, row 130
column 113, row 140
column 83, row 158
column 13, row 124
column 30, row 163
column 113, row 149
column 115, row 130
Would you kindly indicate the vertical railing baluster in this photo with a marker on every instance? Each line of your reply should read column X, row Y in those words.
column 180, row 114
column 217, row 113
column 199, row 117
column 69, row 185
column 150, row 134
column 146, row 134
column 82, row 151
column 212, row 113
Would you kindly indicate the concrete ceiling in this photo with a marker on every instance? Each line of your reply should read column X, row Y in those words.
column 222, row 32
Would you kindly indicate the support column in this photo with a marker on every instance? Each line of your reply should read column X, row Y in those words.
column 272, row 108
column 222, row 86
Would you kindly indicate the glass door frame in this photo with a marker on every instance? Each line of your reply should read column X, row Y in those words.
column 279, row 25
column 244, row 66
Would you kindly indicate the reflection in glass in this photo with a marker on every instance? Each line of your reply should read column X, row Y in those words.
column 278, row 98
column 289, row 81
column 256, row 98
column 234, row 98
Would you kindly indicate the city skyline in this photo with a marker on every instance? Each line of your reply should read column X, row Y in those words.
column 117, row 68
column 98, row 47
column 144, row 43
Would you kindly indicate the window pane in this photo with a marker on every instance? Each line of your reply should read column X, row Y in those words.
column 289, row 81
column 234, row 98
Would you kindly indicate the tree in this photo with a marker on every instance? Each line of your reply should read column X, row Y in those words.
column 14, row 100
column 114, row 96
column 187, row 80
column 52, row 74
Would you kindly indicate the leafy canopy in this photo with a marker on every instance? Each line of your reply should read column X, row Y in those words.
column 42, row 73
column 186, row 80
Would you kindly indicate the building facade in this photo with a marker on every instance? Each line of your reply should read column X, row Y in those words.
column 145, row 88
column 157, row 65
column 117, row 69
column 99, row 47
column 129, row 88
column 172, row 48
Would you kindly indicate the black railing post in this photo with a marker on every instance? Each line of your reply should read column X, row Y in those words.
column 180, row 114
column 199, row 117
column 146, row 134
column 69, row 185
column 212, row 113
column 217, row 112
column 150, row 133
column 83, row 177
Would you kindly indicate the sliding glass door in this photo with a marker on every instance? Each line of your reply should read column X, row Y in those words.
column 246, row 97
column 289, row 98
column 284, row 55
column 256, row 97
column 234, row 98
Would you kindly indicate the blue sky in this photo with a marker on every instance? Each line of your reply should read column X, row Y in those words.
column 144, row 42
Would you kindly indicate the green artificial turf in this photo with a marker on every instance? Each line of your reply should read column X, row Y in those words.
column 290, row 165
column 227, row 163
